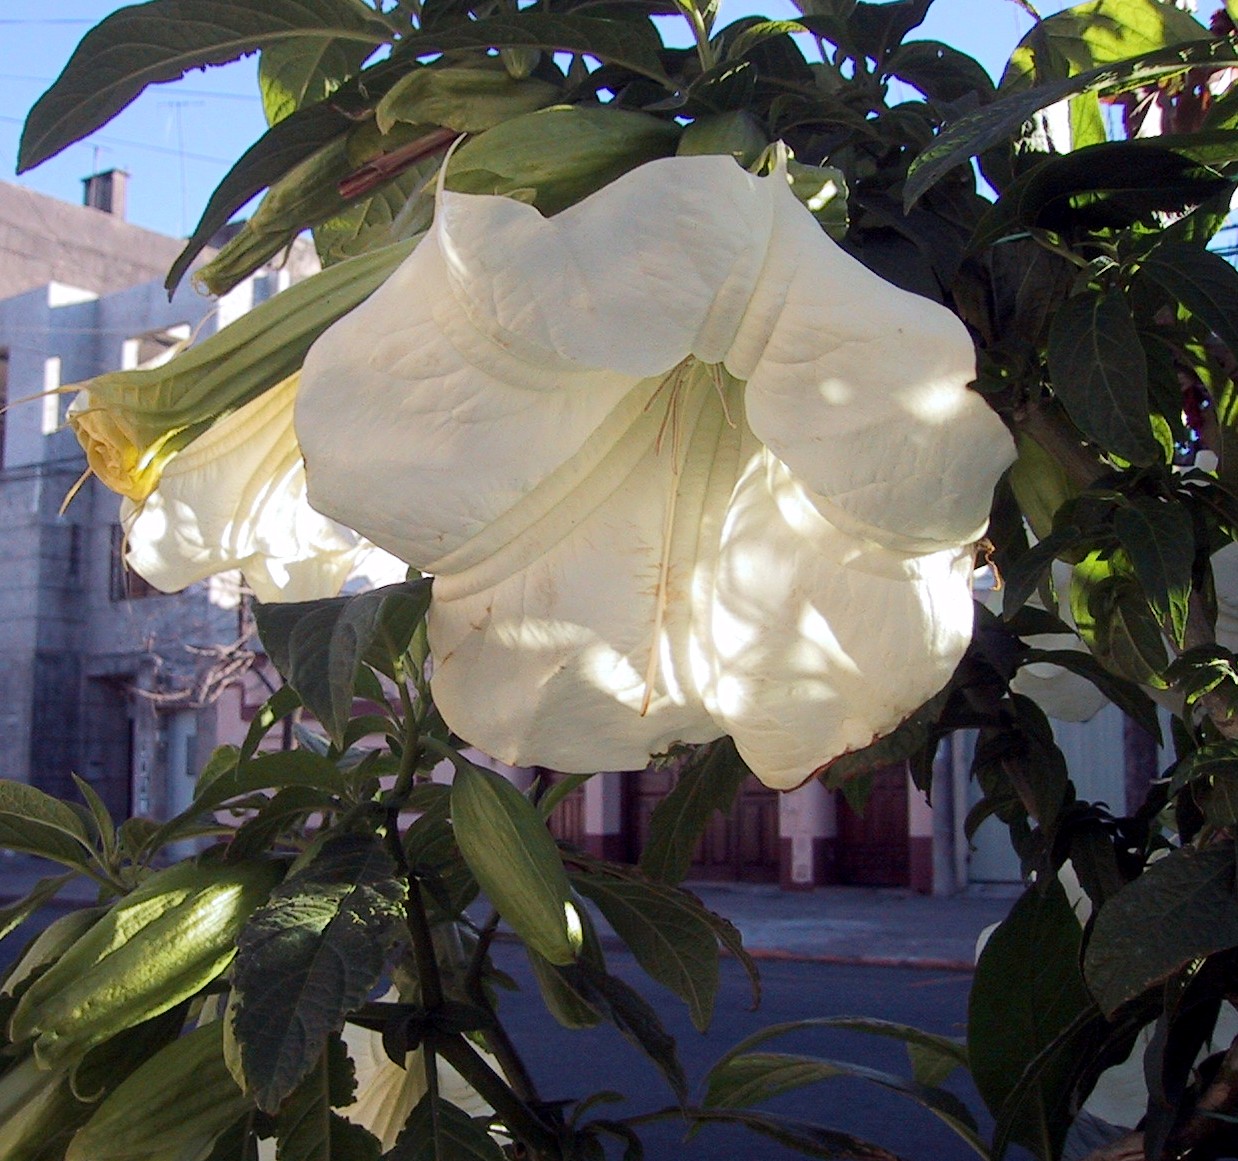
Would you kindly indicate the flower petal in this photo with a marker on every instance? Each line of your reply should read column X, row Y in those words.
column 823, row 642
column 572, row 646
column 235, row 498
column 861, row 389
column 493, row 354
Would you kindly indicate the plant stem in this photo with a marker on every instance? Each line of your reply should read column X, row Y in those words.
column 511, row 1110
column 704, row 50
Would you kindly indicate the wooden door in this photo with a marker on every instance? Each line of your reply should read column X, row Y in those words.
column 873, row 846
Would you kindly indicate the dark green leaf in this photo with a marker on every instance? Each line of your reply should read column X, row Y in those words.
column 308, row 1130
column 933, row 1057
column 1159, row 538
column 1209, row 761
column 319, row 646
column 631, row 43
column 709, row 781
column 1100, row 375
column 1028, row 988
column 281, row 815
column 162, row 40
column 38, row 824
column 878, row 29
column 940, row 72
column 438, row 1131
column 751, row 1078
column 1024, row 577
column 283, row 702
column 624, row 1007
column 1201, row 281
column 272, row 771
column 1132, row 700
column 667, row 932
column 1105, row 186
column 908, row 738
column 1182, row 908
column 1002, row 119
column 809, row 1139
column 310, row 956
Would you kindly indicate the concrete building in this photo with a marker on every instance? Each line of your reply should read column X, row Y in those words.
column 100, row 675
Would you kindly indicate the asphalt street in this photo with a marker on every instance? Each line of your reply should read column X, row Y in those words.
column 574, row 1064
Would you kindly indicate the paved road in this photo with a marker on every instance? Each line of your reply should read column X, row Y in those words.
column 576, row 1063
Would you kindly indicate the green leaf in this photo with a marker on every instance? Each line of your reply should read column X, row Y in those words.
column 15, row 914
column 624, row 1007
column 1216, row 759
column 1159, row 538
column 631, row 43
column 1104, row 186
column 877, row 29
column 175, row 1105
column 1002, row 119
column 1182, row 908
column 1027, row 989
column 909, row 737
column 933, row 1057
column 294, row 74
column 802, row 1136
column 749, row 1078
column 430, row 848
column 308, row 1130
column 1127, row 696
column 1100, row 32
column 310, row 956
column 506, row 845
column 1201, row 281
column 161, row 41
column 438, row 1131
column 940, row 72
column 667, row 932
column 319, row 646
column 38, row 824
column 272, row 771
column 709, row 781
column 1100, row 375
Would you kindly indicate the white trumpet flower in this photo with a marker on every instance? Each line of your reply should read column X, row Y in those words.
column 680, row 466
column 235, row 498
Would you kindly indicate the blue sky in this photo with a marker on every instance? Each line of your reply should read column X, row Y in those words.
column 177, row 141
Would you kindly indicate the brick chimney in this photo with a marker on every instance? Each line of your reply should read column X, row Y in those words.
column 106, row 191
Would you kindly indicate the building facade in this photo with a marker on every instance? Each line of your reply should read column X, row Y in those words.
column 100, row 675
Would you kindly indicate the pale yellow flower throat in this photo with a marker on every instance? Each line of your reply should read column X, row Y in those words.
column 677, row 387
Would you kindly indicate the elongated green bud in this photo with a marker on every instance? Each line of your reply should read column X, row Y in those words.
column 508, row 848
column 154, row 949
column 173, row 1106
column 130, row 422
